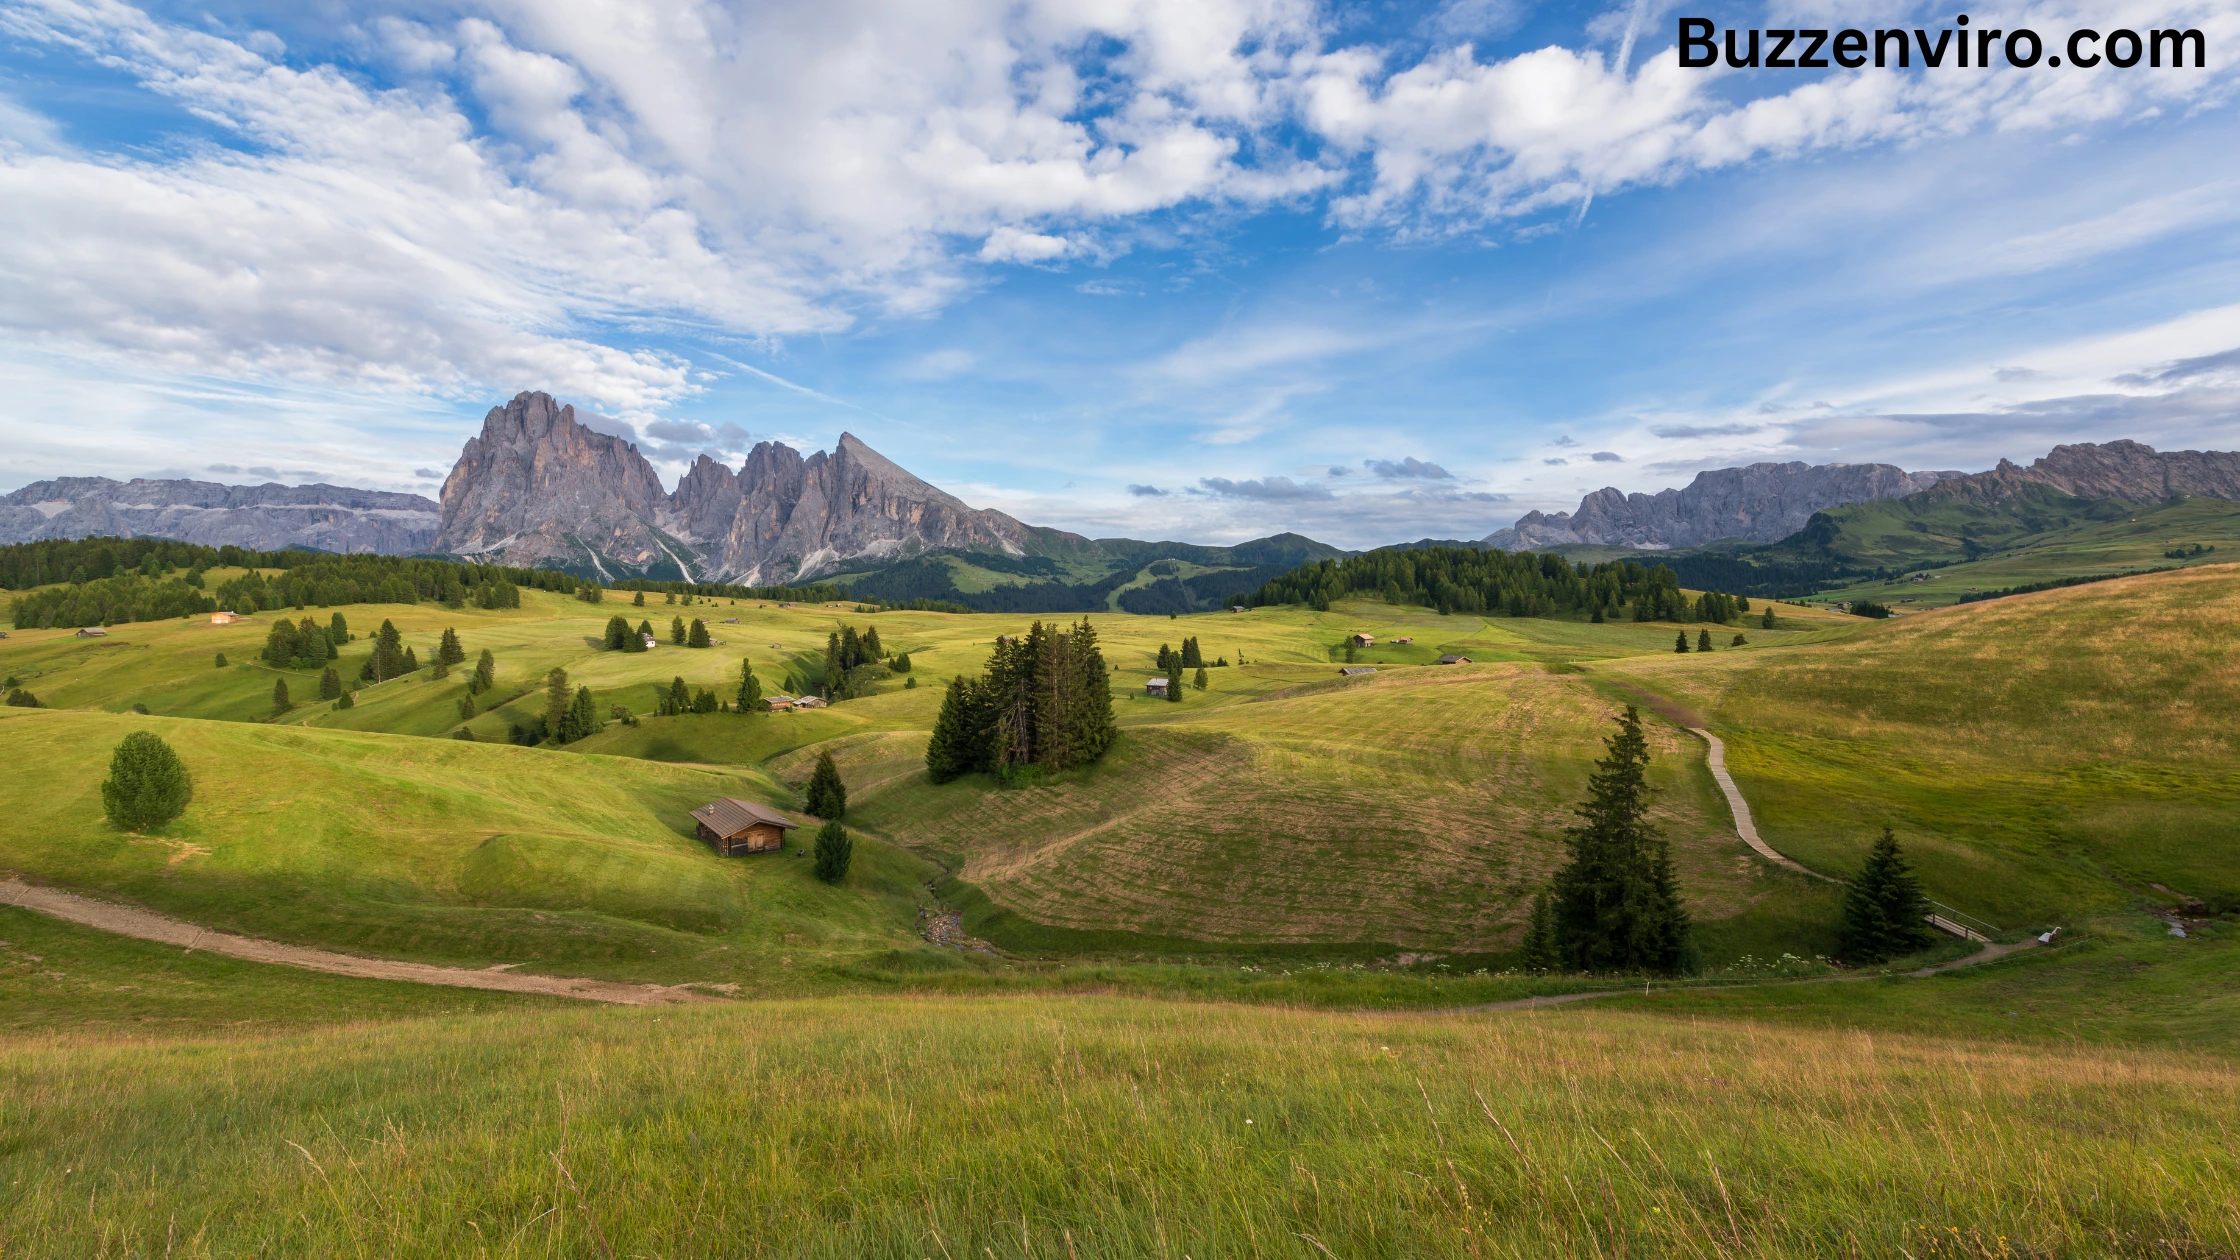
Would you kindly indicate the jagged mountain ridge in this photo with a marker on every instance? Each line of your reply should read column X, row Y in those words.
column 1761, row 502
column 536, row 487
column 267, row 517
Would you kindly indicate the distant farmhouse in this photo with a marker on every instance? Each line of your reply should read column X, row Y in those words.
column 1350, row 670
column 734, row 826
column 1454, row 660
column 1362, row 640
column 1155, row 687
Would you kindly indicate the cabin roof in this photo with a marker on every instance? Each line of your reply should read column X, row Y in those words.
column 1351, row 670
column 728, row 816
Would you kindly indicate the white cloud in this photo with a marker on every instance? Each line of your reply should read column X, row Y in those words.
column 1009, row 244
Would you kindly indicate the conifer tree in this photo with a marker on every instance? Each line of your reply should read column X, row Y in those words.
column 1885, row 914
column 1767, row 620
column 901, row 664
column 871, row 649
column 678, row 700
column 221, row 662
column 750, row 688
column 348, row 700
column 330, row 684
column 411, row 662
column 147, row 786
column 704, row 701
column 485, row 673
column 311, row 641
column 1200, row 681
column 1174, row 678
column 1703, row 640
column 639, row 600
column 1164, row 653
column 583, row 717
column 1681, row 644
column 1191, row 659
column 645, row 632
column 280, row 644
column 1738, row 641
column 1597, row 619
column 1540, row 953
column 676, row 631
column 338, row 629
column 617, row 636
column 466, row 707
column 448, row 649
column 835, row 852
column 1617, row 906
column 558, row 697
column 388, row 652
column 827, row 796
column 954, row 748
column 280, row 695
column 699, row 636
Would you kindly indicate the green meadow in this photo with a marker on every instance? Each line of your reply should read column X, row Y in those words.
column 1206, row 997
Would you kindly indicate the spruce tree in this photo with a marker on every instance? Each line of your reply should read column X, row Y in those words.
column 1540, row 952
column 750, row 688
column 679, row 699
column 1617, row 906
column 448, row 650
column 1767, row 620
column 338, row 629
column 485, row 673
column 388, row 652
column 280, row 645
column 1191, row 659
column 953, row 750
column 1597, row 619
column 1681, row 644
column 280, row 695
column 835, row 851
column 616, row 637
column 1174, row 678
column 901, row 664
column 1885, row 914
column 827, row 797
column 699, row 636
column 147, row 785
column 466, row 708
column 1703, row 640
column 583, row 716
column 871, row 649
column 638, row 600
column 348, row 700
column 221, row 663
column 411, row 662
column 676, row 631
column 1200, row 681
column 330, row 684
column 704, row 701
column 1739, row 641
column 558, row 698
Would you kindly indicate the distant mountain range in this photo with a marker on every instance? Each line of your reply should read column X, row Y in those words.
column 267, row 517
column 537, row 488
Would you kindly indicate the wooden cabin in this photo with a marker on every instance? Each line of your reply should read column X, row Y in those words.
column 1362, row 640
column 1351, row 671
column 1155, row 687
column 734, row 826
column 92, row 632
column 1454, row 660
column 224, row 618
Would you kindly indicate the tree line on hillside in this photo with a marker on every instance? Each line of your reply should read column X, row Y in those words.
column 1519, row 584
column 1044, row 701
column 113, row 581
column 1614, row 906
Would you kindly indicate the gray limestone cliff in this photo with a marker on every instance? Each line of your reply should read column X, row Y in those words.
column 537, row 488
column 266, row 518
column 1757, row 503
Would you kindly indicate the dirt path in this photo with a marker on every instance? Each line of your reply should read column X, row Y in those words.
column 1743, row 826
column 1989, row 953
column 126, row 921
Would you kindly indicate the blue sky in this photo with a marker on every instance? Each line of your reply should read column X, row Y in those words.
column 1204, row 269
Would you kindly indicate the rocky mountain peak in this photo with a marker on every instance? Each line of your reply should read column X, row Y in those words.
column 536, row 487
column 1759, row 502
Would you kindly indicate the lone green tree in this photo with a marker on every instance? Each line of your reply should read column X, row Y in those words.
column 676, row 631
column 147, row 784
column 1199, row 681
column 330, row 684
column 1767, row 620
column 835, row 851
column 1617, row 906
column 750, row 688
column 279, row 695
column 1885, row 914
column 221, row 660
column 448, row 650
column 1703, row 640
column 485, row 673
column 618, row 634
column 1681, row 644
column 699, row 635
column 827, row 796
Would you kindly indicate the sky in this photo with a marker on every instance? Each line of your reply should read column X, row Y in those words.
column 1189, row 269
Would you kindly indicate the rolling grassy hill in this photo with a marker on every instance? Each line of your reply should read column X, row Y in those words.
column 2043, row 756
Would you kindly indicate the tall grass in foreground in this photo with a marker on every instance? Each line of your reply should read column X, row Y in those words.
column 1099, row 1128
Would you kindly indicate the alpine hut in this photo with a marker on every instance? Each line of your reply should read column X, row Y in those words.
column 734, row 826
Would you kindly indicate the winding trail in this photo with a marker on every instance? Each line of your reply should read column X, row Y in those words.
column 148, row 926
column 1989, row 953
column 1743, row 827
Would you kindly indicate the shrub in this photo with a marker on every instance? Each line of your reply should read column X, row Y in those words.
column 835, row 851
column 22, row 699
column 221, row 660
column 147, row 785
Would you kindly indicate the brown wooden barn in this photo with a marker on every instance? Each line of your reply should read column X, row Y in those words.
column 734, row 826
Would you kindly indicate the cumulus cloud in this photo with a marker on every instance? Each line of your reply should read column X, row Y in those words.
column 1607, row 457
column 1269, row 488
column 1410, row 467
